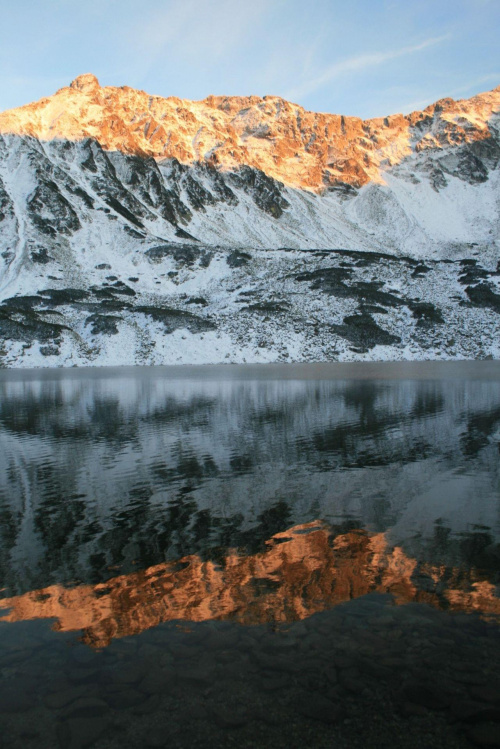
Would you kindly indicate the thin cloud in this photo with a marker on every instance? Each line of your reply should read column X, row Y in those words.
column 198, row 31
column 358, row 64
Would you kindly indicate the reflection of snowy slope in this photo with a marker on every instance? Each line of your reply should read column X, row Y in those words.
column 97, row 472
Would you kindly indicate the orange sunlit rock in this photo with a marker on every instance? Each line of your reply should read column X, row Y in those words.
column 303, row 149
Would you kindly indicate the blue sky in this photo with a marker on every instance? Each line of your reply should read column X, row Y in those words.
column 357, row 57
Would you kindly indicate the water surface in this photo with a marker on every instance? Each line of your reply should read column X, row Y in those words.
column 261, row 556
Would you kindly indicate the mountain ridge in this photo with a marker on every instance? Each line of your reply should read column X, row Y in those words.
column 225, row 232
column 302, row 149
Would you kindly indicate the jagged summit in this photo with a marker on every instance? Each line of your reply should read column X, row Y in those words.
column 302, row 149
column 86, row 83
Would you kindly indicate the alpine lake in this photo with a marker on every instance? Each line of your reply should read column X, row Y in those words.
column 251, row 556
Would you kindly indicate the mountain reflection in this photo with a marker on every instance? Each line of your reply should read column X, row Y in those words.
column 102, row 474
column 304, row 570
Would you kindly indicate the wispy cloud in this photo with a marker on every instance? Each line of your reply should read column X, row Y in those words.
column 357, row 64
column 197, row 31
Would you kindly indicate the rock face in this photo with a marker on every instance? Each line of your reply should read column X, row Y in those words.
column 189, row 198
column 299, row 148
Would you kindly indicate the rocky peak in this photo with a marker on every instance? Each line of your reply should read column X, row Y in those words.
column 87, row 83
column 301, row 149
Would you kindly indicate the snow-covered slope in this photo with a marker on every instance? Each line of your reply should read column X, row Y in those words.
column 140, row 229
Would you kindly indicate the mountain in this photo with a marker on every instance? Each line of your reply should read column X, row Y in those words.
column 304, row 150
column 138, row 229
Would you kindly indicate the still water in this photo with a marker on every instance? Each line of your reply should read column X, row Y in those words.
column 277, row 556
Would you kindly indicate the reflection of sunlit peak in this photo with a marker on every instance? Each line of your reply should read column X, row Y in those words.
column 302, row 571
column 478, row 598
